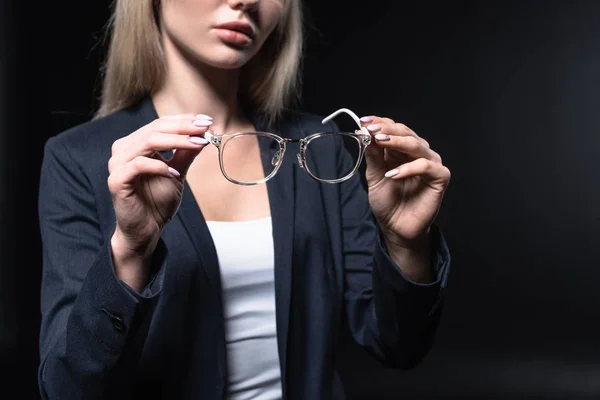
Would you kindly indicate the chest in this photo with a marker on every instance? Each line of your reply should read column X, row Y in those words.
column 218, row 198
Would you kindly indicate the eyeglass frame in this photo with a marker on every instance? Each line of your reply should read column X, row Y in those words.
column 363, row 139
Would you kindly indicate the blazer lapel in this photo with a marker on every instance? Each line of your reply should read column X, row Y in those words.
column 281, row 197
column 193, row 221
column 281, row 190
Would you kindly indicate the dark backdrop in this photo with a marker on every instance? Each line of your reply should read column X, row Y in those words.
column 508, row 92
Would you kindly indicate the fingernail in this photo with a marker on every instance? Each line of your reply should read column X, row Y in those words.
column 374, row 127
column 198, row 140
column 391, row 173
column 203, row 116
column 202, row 122
column 382, row 137
column 366, row 119
column 174, row 172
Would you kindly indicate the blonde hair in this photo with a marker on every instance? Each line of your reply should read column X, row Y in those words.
column 135, row 66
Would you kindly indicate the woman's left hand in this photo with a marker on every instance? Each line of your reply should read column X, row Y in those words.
column 406, row 181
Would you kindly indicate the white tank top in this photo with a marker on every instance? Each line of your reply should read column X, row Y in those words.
column 246, row 259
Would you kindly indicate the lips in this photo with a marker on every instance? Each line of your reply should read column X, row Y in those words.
column 239, row 26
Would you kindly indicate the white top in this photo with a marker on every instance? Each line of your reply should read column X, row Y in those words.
column 246, row 258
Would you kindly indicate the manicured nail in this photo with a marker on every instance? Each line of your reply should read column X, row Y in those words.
column 174, row 172
column 391, row 173
column 366, row 119
column 202, row 122
column 374, row 127
column 203, row 116
column 382, row 137
column 198, row 140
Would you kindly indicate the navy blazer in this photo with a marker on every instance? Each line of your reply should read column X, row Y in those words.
column 100, row 339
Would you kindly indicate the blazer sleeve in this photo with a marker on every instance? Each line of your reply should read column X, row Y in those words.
column 392, row 317
column 92, row 324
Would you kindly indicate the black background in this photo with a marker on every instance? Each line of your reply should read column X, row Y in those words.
column 508, row 92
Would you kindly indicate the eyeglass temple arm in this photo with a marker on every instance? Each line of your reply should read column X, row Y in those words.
column 350, row 113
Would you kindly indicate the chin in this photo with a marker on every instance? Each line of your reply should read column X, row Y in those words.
column 229, row 58
column 217, row 55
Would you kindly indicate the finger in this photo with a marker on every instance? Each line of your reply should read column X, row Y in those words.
column 128, row 172
column 382, row 129
column 180, row 125
column 182, row 159
column 409, row 145
column 375, row 154
column 376, row 165
column 187, row 116
column 115, row 163
column 190, row 127
column 375, row 125
column 176, row 126
column 153, row 142
column 388, row 126
column 375, row 162
column 422, row 167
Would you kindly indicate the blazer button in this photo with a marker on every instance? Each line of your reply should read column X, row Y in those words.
column 118, row 324
column 115, row 320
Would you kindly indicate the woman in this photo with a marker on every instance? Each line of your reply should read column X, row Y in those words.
column 175, row 268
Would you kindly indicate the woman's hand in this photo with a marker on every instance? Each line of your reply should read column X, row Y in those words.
column 146, row 189
column 406, row 181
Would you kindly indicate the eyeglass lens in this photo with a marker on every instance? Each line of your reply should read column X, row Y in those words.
column 240, row 155
column 321, row 157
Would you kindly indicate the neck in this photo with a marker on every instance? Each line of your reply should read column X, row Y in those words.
column 190, row 87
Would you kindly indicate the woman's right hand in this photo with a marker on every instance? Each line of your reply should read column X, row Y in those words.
column 146, row 189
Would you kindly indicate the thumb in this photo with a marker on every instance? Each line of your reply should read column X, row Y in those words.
column 183, row 158
column 374, row 156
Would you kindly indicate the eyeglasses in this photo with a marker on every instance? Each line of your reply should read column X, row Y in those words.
column 238, row 153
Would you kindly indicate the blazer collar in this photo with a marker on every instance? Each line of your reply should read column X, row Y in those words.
column 281, row 191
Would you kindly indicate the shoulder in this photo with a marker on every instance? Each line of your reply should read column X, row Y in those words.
column 93, row 139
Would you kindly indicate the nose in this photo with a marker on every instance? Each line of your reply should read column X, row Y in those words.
column 246, row 5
